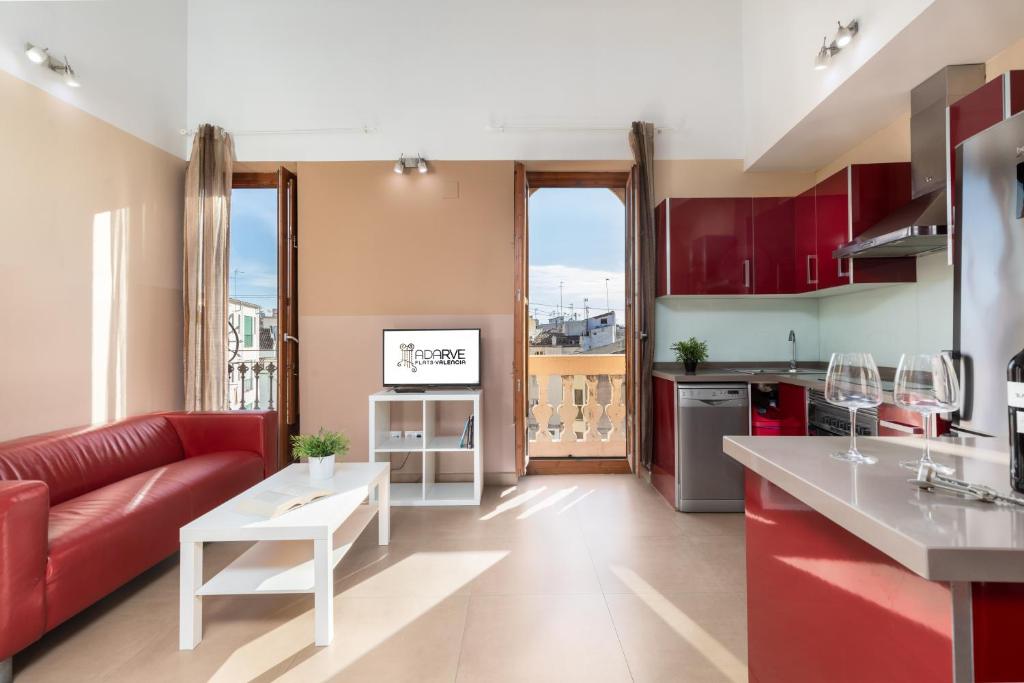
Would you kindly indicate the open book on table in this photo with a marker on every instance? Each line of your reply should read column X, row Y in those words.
column 275, row 502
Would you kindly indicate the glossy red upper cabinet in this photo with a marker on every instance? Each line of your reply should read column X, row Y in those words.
column 846, row 204
column 832, row 215
column 775, row 270
column 710, row 250
column 661, row 249
column 805, row 242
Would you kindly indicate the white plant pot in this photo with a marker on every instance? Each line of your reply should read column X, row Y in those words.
column 321, row 468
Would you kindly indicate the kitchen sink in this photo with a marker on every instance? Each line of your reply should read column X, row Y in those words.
column 775, row 371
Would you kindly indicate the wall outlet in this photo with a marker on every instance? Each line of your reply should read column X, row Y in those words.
column 414, row 435
column 395, row 433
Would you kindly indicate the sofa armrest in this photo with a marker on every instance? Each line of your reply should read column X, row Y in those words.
column 210, row 432
column 24, row 516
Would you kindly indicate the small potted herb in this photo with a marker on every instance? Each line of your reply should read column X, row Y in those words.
column 691, row 352
column 319, row 450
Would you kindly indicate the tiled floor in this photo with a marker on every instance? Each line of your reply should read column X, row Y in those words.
column 581, row 578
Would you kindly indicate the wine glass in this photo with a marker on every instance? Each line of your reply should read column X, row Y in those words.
column 926, row 383
column 853, row 382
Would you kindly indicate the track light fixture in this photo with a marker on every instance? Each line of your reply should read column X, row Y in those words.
column 844, row 34
column 418, row 162
column 42, row 56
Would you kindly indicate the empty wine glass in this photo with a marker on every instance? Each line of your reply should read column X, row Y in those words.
column 926, row 383
column 853, row 382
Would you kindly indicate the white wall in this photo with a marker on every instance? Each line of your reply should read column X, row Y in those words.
column 888, row 321
column 738, row 329
column 128, row 54
column 780, row 40
column 912, row 318
column 433, row 75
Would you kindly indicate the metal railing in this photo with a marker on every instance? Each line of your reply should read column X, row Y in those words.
column 252, row 384
column 577, row 405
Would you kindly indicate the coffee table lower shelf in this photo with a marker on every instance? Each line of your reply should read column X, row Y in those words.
column 270, row 567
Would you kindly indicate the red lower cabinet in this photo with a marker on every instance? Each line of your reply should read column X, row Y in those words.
column 663, row 465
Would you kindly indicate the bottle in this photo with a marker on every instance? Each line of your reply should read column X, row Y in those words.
column 1015, row 403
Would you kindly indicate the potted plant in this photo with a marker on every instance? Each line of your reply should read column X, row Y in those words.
column 319, row 450
column 691, row 352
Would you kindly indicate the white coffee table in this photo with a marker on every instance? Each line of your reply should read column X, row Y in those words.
column 295, row 553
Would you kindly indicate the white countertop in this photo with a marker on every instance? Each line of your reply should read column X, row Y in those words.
column 938, row 536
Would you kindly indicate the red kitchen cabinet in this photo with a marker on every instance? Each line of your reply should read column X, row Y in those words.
column 774, row 260
column 896, row 421
column 663, row 464
column 710, row 246
column 846, row 204
column 805, row 242
column 832, row 217
column 661, row 249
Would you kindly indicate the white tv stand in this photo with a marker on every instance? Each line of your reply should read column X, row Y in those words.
column 429, row 491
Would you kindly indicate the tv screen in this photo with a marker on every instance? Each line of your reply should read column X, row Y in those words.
column 431, row 358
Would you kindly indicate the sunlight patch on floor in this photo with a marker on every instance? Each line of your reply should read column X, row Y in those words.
column 513, row 503
column 573, row 502
column 696, row 635
column 546, row 503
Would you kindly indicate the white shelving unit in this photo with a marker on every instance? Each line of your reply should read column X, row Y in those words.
column 429, row 491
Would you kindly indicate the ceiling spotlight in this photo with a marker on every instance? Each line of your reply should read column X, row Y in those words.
column 36, row 54
column 421, row 165
column 399, row 166
column 846, row 33
column 68, row 74
column 824, row 57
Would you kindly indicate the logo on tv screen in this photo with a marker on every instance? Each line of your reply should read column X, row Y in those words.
column 413, row 357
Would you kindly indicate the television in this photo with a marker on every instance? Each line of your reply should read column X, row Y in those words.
column 431, row 358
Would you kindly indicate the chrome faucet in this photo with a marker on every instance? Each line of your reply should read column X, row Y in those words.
column 792, row 341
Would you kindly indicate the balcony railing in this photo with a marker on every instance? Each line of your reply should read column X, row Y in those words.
column 577, row 405
column 252, row 384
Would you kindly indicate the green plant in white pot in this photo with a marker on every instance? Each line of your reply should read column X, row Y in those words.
column 319, row 450
column 691, row 352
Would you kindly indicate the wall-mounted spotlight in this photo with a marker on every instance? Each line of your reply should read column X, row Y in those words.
column 844, row 34
column 42, row 56
column 418, row 162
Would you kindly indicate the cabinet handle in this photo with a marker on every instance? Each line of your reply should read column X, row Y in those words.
column 811, row 257
column 746, row 273
column 900, row 427
column 839, row 268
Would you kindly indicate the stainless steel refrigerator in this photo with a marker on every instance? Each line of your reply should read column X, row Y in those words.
column 988, row 323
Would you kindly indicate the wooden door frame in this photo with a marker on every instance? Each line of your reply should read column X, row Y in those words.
column 286, row 184
column 525, row 182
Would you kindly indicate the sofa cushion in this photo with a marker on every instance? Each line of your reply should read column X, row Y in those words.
column 78, row 461
column 104, row 538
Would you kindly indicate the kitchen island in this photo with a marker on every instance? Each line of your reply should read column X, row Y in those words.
column 855, row 574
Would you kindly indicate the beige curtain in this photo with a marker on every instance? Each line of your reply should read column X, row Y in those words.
column 205, row 266
column 641, row 141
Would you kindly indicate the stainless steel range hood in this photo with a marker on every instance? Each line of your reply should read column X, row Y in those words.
column 921, row 225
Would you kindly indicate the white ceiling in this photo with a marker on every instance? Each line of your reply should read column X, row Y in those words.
column 432, row 76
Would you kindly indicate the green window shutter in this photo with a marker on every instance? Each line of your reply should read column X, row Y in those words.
column 248, row 330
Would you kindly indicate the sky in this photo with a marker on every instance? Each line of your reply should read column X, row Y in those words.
column 577, row 236
column 253, row 261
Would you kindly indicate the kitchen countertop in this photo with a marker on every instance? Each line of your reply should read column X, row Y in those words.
column 938, row 536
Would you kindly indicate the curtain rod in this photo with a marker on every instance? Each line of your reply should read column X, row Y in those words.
column 544, row 128
column 367, row 130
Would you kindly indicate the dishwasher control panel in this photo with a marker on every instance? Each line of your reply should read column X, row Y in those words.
column 713, row 393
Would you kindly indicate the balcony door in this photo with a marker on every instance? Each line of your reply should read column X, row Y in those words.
column 263, row 335
column 572, row 322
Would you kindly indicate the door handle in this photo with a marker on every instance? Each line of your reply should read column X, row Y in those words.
column 810, row 280
column 746, row 273
column 288, row 338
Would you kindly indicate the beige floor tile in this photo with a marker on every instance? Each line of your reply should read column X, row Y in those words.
column 387, row 639
column 686, row 637
column 540, row 638
column 710, row 523
column 539, row 566
column 642, row 564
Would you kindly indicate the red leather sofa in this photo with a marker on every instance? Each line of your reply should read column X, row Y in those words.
column 84, row 511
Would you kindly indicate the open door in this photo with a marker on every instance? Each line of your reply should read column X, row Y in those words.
column 631, row 360
column 288, row 311
column 522, row 191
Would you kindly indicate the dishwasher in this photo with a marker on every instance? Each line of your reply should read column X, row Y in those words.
column 708, row 480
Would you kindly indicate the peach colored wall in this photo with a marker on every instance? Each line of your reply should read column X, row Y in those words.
column 1010, row 58
column 891, row 143
column 90, row 267
column 380, row 250
column 722, row 178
